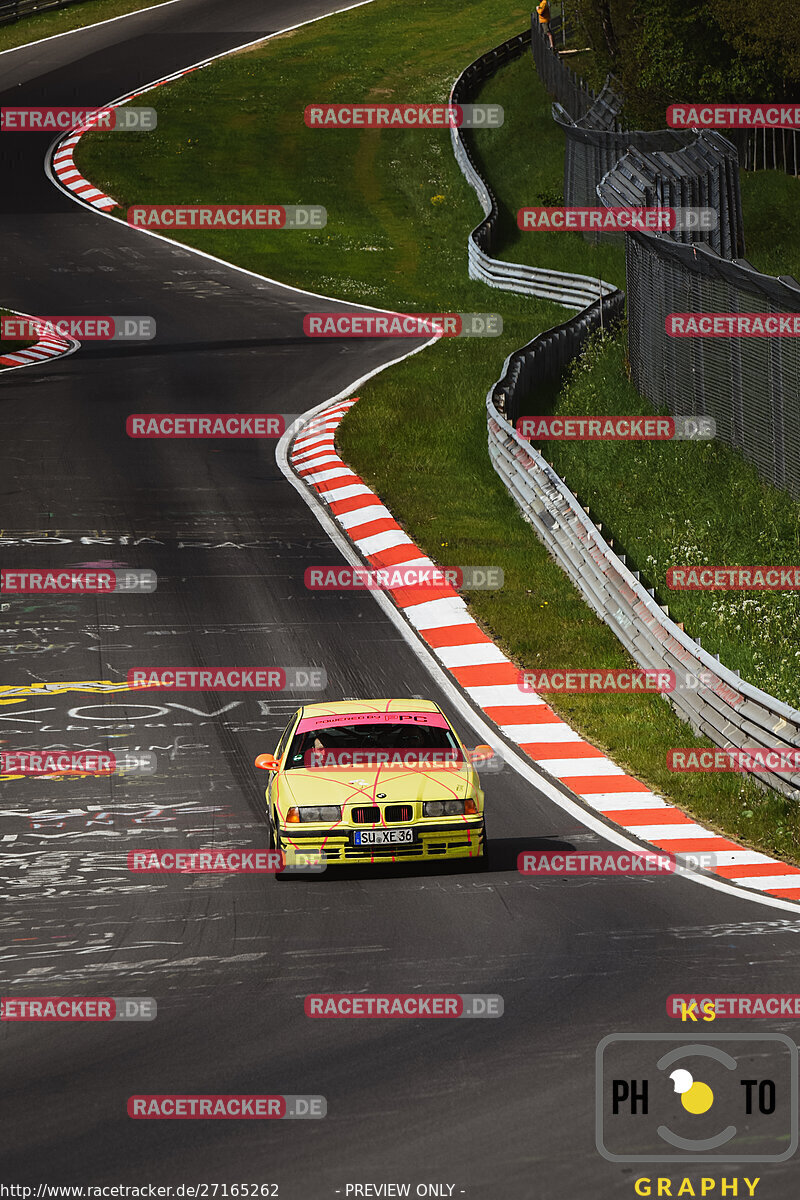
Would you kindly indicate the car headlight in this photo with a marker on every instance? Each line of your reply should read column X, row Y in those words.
column 443, row 808
column 328, row 813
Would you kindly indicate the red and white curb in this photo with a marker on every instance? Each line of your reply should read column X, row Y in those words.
column 441, row 617
column 70, row 177
column 63, row 160
column 61, row 167
column 46, row 348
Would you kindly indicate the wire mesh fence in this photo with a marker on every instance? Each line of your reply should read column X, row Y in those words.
column 767, row 149
column 749, row 385
column 668, row 166
column 589, row 153
column 728, row 710
column 567, row 87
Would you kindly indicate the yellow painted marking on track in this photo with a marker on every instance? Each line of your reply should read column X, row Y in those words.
column 14, row 695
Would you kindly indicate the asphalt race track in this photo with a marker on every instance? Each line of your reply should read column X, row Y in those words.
column 498, row 1108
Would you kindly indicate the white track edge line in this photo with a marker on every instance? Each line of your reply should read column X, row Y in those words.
column 137, row 12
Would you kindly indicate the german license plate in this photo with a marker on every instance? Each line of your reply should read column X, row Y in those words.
column 383, row 837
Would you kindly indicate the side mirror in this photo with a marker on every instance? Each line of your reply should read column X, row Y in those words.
column 480, row 754
column 267, row 762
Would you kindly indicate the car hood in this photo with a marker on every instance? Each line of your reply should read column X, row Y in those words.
column 342, row 785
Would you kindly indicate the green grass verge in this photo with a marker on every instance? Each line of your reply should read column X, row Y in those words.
column 770, row 202
column 691, row 502
column 507, row 159
column 399, row 212
column 76, row 16
column 398, row 207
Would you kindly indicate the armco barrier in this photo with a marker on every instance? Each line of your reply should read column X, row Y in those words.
column 730, row 712
column 573, row 291
column 542, row 360
column 13, row 10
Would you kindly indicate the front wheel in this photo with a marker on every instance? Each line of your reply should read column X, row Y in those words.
column 275, row 842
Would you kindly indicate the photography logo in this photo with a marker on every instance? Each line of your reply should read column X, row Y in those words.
column 696, row 1098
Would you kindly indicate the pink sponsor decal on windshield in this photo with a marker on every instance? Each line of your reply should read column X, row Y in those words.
column 372, row 718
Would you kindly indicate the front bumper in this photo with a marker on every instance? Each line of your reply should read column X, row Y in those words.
column 457, row 839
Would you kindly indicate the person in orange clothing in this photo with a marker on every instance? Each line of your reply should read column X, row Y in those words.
column 543, row 10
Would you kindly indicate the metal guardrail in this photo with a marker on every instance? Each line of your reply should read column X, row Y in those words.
column 573, row 291
column 730, row 712
column 542, row 360
column 14, row 10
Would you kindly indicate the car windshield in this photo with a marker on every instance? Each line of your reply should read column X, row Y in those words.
column 367, row 736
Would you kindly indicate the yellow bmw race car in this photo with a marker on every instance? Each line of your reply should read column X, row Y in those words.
column 374, row 781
